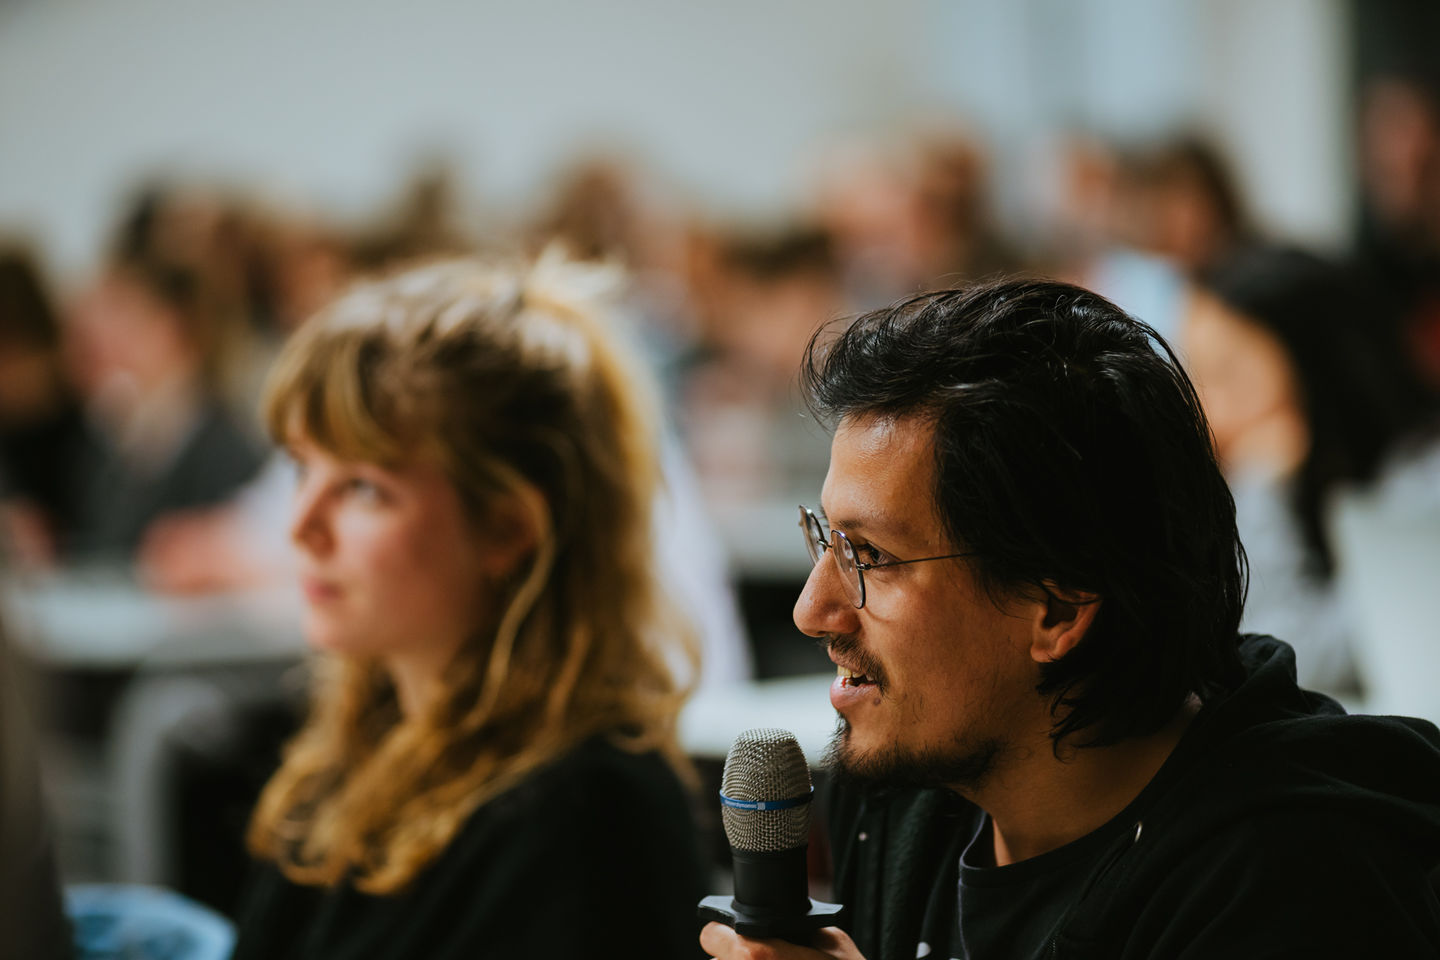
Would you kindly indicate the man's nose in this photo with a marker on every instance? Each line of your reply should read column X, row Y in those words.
column 824, row 605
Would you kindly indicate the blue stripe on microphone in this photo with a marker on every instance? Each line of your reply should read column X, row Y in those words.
column 786, row 804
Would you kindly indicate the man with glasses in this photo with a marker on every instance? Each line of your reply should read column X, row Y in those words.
column 1053, row 741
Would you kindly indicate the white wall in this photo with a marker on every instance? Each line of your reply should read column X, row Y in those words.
column 331, row 99
column 1268, row 79
column 1278, row 90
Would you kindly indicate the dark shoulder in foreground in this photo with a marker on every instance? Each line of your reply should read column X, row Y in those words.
column 1280, row 823
column 591, row 851
column 1280, row 826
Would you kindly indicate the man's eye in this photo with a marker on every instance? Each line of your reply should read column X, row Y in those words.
column 869, row 553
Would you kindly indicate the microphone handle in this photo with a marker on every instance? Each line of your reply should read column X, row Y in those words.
column 773, row 883
column 771, row 898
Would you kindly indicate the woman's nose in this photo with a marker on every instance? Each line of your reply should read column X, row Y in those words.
column 310, row 522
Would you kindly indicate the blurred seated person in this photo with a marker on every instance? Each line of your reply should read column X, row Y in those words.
column 239, row 544
column 1303, row 397
column 742, row 418
column 148, row 348
column 490, row 765
column 607, row 208
column 43, row 439
column 1179, row 201
column 1135, row 224
column 909, row 214
column 1397, row 241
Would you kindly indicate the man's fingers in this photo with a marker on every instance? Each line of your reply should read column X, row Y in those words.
column 837, row 943
column 718, row 940
column 724, row 943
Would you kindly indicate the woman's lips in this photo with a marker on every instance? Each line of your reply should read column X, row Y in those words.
column 317, row 590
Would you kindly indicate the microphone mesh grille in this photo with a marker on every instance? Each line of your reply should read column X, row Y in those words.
column 766, row 764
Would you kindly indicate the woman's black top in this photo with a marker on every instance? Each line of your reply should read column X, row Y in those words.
column 593, row 856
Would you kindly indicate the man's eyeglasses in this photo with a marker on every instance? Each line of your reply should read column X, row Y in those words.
column 852, row 568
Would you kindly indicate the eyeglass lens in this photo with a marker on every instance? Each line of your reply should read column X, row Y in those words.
column 841, row 549
column 814, row 536
column 850, row 575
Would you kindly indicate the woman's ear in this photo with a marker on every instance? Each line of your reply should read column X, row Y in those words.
column 1062, row 621
column 513, row 527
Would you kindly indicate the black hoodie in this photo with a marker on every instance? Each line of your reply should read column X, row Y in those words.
column 1278, row 827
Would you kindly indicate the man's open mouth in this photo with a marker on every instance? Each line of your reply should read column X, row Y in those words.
column 849, row 678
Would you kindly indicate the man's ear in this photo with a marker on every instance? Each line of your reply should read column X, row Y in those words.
column 1063, row 620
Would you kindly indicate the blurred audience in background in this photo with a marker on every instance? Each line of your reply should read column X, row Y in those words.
column 907, row 214
column 148, row 349
column 1133, row 222
column 1180, row 203
column 43, row 438
column 1307, row 394
column 1398, row 239
column 604, row 208
column 154, row 343
column 749, row 436
column 128, row 411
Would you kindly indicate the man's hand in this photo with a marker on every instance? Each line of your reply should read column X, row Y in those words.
column 723, row 943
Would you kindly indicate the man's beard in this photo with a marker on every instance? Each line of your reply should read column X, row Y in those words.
column 963, row 765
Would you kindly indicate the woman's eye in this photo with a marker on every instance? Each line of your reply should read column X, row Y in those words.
column 364, row 489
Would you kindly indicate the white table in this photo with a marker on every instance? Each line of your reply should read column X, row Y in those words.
column 101, row 620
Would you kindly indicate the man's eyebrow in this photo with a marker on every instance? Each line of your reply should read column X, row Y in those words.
column 861, row 524
column 857, row 524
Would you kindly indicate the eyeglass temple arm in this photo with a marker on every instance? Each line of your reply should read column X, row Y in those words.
column 860, row 564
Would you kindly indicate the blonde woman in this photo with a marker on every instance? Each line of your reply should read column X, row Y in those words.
column 490, row 767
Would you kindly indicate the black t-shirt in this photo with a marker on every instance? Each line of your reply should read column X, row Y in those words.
column 1013, row 911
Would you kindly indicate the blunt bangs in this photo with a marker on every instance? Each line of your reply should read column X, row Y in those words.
column 329, row 386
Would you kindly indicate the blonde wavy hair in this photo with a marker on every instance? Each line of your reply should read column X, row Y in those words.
column 509, row 376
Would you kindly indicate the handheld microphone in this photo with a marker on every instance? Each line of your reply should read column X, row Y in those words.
column 765, row 798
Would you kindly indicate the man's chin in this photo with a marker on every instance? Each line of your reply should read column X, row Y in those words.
column 896, row 765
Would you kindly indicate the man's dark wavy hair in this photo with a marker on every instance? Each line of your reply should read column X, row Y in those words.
column 1070, row 447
